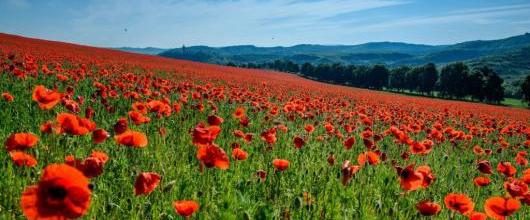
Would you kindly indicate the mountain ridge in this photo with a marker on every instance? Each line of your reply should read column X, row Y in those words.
column 385, row 52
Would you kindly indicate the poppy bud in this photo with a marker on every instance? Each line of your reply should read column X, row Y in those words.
column 215, row 120
column 121, row 126
column 99, row 136
column 484, row 166
column 331, row 159
column 89, row 112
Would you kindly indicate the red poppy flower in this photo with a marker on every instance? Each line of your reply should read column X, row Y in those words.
column 239, row 154
column 410, row 179
column 185, row 208
column 239, row 113
column 99, row 136
column 138, row 118
column 348, row 143
column 161, row 108
column 419, row 148
column 478, row 150
column 371, row 157
column 516, row 188
column 62, row 193
column 212, row 155
column 100, row 155
column 74, row 125
column 526, row 176
column 309, row 128
column 244, row 121
column 269, row 136
column 71, row 105
column 248, row 137
column 298, row 142
column 459, row 203
column 506, row 168
column 500, row 208
column 481, row 181
column 22, row 159
column 121, row 126
column 204, row 136
column 282, row 127
column 367, row 134
column 8, row 97
column 329, row 127
column 239, row 133
column 280, row 164
column 140, row 107
column 474, row 215
column 428, row 208
column 132, row 139
column 21, row 141
column 92, row 166
column 428, row 177
column 145, row 183
column 46, row 99
column 215, row 120
column 46, row 127
column 521, row 161
column 484, row 166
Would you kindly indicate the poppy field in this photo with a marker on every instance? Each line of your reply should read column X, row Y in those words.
column 95, row 133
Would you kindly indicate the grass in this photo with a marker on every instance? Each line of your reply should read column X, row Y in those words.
column 236, row 193
column 516, row 103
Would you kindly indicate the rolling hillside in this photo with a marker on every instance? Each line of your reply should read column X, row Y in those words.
column 506, row 55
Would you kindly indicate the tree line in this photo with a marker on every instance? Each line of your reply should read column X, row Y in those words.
column 452, row 81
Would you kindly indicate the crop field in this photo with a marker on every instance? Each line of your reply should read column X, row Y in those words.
column 94, row 133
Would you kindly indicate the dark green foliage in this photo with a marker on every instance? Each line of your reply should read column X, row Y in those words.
column 428, row 78
column 398, row 78
column 456, row 81
column 453, row 81
column 493, row 90
column 507, row 57
column 476, row 86
column 413, row 77
column 378, row 77
column 525, row 89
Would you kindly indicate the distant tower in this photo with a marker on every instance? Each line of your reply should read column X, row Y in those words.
column 183, row 48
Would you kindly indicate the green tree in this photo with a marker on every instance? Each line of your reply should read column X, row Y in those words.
column 454, row 81
column 413, row 77
column 428, row 78
column 378, row 77
column 307, row 69
column 476, row 85
column 525, row 89
column 494, row 91
column 398, row 78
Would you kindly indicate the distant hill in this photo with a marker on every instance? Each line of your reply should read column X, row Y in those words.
column 145, row 50
column 509, row 56
column 511, row 63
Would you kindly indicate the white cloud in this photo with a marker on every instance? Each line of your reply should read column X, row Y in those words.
column 479, row 16
column 168, row 23
column 171, row 23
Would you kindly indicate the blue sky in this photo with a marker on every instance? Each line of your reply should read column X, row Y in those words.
column 172, row 23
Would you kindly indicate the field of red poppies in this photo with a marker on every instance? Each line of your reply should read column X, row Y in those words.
column 99, row 134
